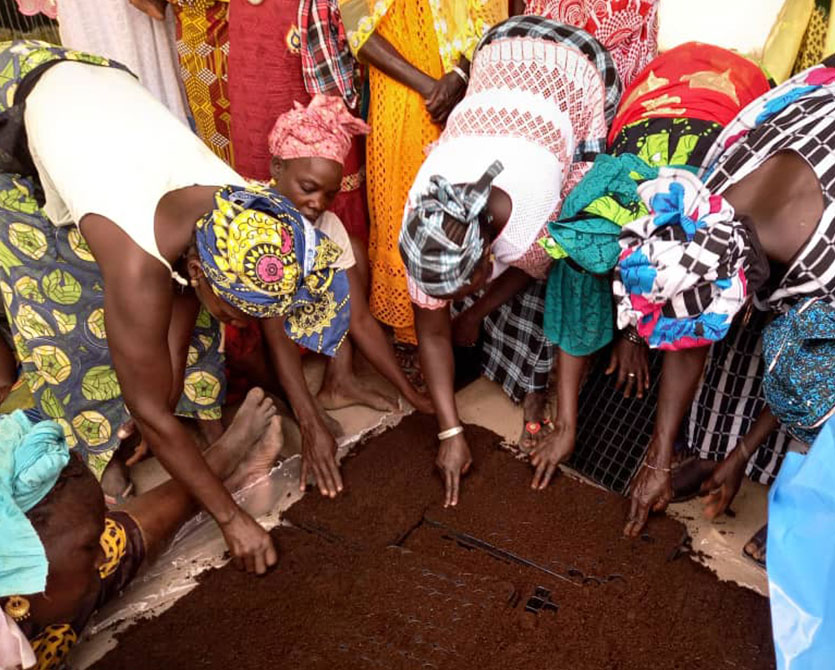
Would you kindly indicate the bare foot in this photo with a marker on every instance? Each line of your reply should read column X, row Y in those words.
column 755, row 548
column 354, row 391
column 260, row 459
column 536, row 425
column 248, row 426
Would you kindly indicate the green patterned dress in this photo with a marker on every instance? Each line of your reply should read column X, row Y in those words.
column 52, row 292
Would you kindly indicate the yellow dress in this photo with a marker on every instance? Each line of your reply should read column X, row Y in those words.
column 431, row 35
column 202, row 45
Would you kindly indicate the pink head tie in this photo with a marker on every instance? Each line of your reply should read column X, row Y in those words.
column 323, row 129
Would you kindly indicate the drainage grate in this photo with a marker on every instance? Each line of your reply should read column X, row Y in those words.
column 613, row 432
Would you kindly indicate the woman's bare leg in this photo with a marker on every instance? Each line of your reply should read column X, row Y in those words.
column 247, row 450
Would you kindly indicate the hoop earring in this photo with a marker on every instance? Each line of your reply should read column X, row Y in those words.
column 17, row 607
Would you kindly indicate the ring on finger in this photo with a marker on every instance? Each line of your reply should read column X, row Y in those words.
column 631, row 375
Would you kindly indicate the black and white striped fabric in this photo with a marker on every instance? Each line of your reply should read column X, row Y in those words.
column 516, row 354
column 730, row 399
column 806, row 126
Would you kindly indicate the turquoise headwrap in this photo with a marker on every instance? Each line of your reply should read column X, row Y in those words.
column 31, row 458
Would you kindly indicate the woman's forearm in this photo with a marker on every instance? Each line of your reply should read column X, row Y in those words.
column 680, row 375
column 765, row 424
column 435, row 346
column 287, row 362
column 380, row 53
column 498, row 292
column 570, row 373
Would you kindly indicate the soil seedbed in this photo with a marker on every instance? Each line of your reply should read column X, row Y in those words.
column 385, row 577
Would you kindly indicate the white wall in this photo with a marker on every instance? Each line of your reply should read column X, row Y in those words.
column 742, row 25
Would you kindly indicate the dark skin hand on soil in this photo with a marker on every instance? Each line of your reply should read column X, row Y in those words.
column 141, row 328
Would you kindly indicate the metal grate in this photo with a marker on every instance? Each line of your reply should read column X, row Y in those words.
column 16, row 26
column 613, row 432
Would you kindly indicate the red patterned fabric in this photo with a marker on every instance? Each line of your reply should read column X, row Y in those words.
column 627, row 28
column 692, row 80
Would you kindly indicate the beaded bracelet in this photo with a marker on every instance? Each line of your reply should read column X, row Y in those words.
column 632, row 335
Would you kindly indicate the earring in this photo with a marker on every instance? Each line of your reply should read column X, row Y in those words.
column 17, row 607
column 194, row 283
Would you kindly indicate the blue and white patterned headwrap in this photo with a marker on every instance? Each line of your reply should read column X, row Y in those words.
column 260, row 255
column 438, row 265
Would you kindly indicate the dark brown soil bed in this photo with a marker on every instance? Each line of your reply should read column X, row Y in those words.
column 386, row 578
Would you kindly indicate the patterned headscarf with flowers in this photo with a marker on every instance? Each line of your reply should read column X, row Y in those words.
column 261, row 256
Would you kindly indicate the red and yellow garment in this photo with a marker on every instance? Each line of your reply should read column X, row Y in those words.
column 693, row 80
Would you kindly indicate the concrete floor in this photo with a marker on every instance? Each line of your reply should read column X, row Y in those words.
column 199, row 544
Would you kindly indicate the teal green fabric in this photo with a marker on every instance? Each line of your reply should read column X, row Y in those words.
column 578, row 310
column 31, row 458
column 578, row 302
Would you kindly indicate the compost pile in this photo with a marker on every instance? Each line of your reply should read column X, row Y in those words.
column 385, row 577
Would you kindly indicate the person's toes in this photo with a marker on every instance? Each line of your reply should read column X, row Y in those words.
column 253, row 398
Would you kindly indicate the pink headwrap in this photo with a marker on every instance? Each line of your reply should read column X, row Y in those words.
column 323, row 129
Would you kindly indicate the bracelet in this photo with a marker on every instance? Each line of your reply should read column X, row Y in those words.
column 744, row 449
column 656, row 468
column 229, row 520
column 450, row 432
column 632, row 335
column 457, row 70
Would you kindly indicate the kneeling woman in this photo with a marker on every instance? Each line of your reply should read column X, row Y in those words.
column 102, row 318
column 534, row 115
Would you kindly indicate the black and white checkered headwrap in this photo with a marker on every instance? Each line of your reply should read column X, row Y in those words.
column 537, row 27
column 687, row 267
column 437, row 264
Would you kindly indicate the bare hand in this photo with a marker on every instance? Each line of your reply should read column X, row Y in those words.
column 445, row 94
column 651, row 490
column 454, row 459
column 153, row 8
column 724, row 483
column 632, row 365
column 465, row 329
column 319, row 457
column 251, row 546
column 554, row 448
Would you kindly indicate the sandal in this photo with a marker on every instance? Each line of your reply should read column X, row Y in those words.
column 759, row 540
